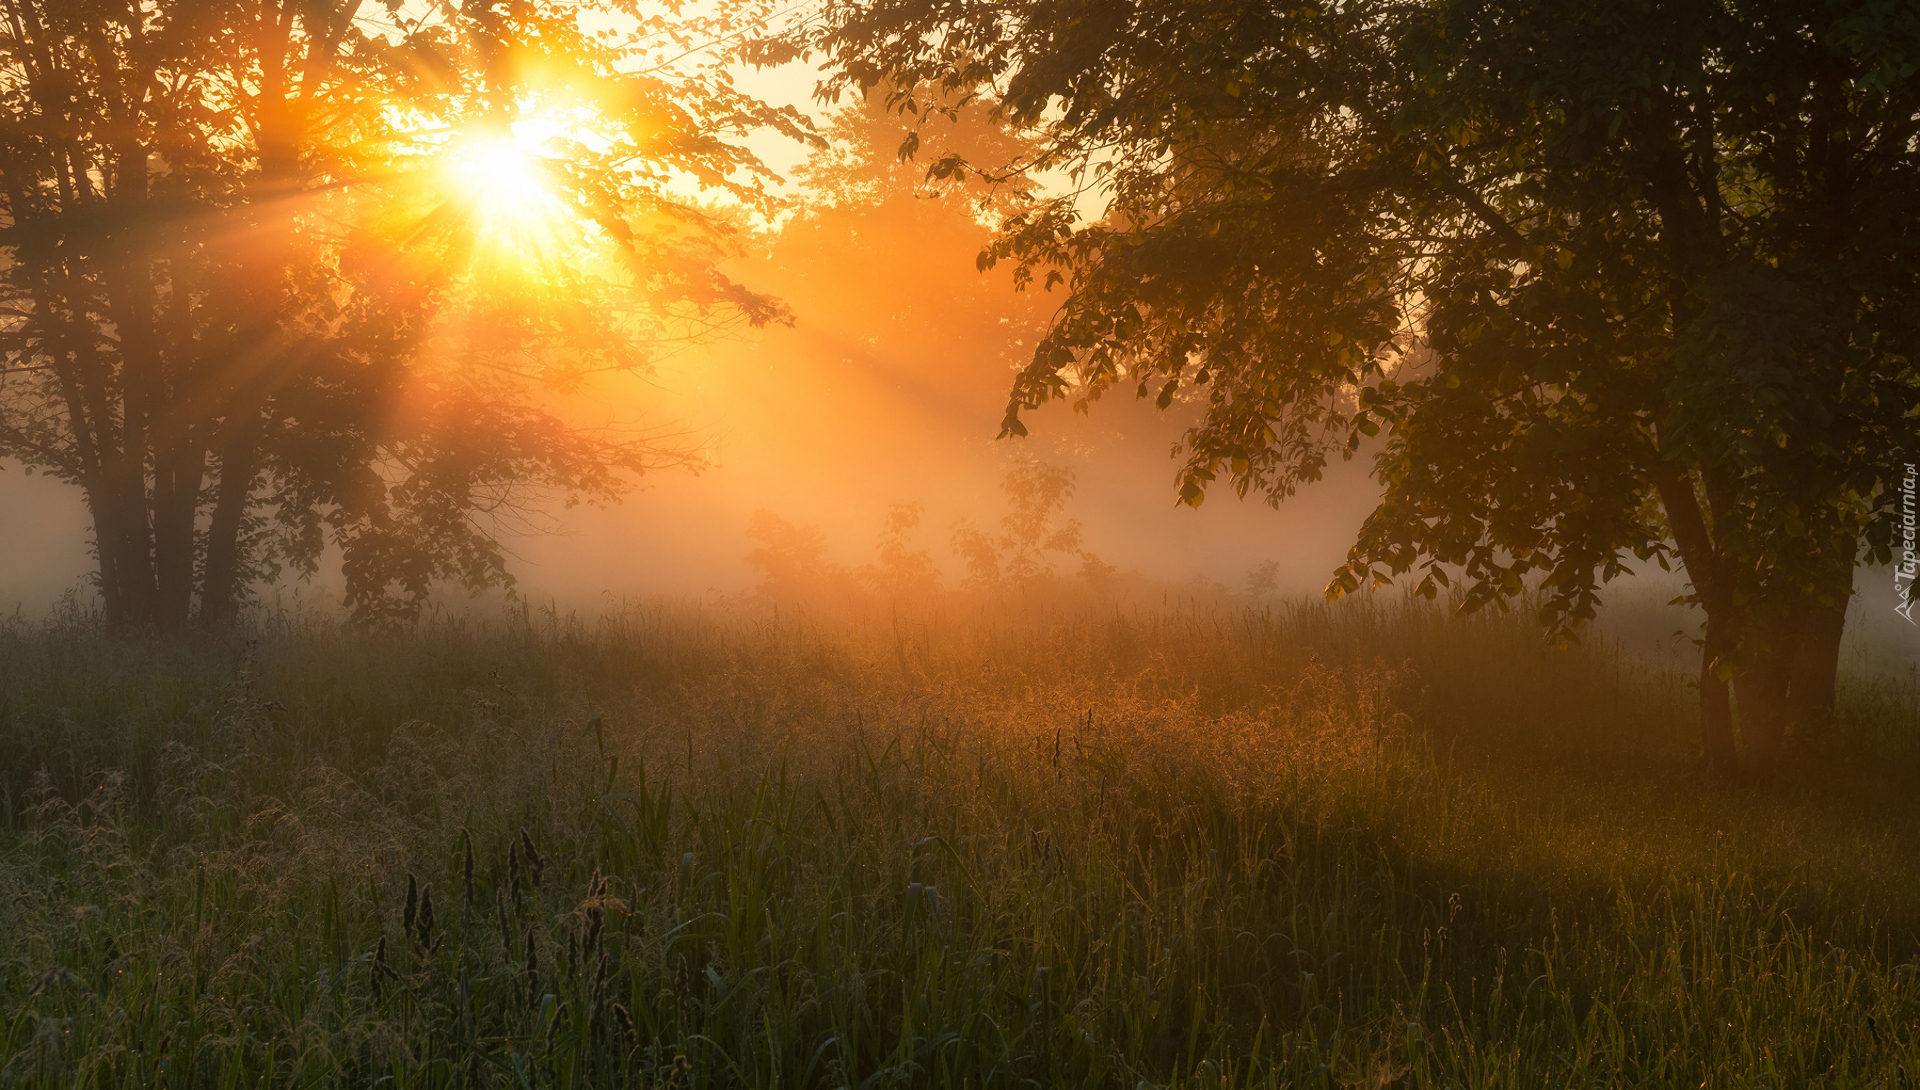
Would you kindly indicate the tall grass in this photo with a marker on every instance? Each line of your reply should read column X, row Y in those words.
column 1303, row 846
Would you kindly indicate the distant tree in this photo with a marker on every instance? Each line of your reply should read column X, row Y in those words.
column 1098, row 575
column 979, row 552
column 899, row 570
column 792, row 560
column 1610, row 281
column 274, row 277
column 1263, row 580
column 1031, row 532
column 793, row 565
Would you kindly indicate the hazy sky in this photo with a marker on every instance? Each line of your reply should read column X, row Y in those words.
column 889, row 387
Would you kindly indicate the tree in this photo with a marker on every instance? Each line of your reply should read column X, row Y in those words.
column 1617, row 281
column 1018, row 556
column 792, row 560
column 282, row 275
column 793, row 565
column 899, row 571
column 1263, row 580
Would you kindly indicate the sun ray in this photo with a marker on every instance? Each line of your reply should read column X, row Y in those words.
column 505, row 188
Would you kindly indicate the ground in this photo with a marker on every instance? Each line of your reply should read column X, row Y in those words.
column 982, row 845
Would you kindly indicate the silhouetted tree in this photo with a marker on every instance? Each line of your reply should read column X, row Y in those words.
column 1611, row 280
column 1264, row 580
column 900, row 571
column 792, row 560
column 261, row 292
column 1032, row 533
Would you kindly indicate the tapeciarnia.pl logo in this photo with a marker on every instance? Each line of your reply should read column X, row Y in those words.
column 1903, row 571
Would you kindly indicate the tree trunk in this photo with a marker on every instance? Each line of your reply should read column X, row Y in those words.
column 125, row 549
column 106, row 550
column 176, row 500
column 1760, row 688
column 220, row 584
column 277, row 135
column 1676, row 488
column 1716, row 715
column 1817, row 629
column 1815, row 671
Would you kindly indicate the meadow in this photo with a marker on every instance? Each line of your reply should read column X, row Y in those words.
column 682, row 845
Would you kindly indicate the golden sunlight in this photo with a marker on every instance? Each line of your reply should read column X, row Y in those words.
column 505, row 188
column 539, row 457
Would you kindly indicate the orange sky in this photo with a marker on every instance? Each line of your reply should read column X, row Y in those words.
column 889, row 387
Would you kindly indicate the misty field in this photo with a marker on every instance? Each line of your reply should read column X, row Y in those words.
column 1363, row 845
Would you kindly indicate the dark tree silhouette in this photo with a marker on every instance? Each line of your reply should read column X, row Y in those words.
column 264, row 290
column 1609, row 281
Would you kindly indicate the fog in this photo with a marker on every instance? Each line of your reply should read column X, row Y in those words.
column 888, row 387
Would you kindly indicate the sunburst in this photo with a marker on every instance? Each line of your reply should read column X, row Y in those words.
column 506, row 191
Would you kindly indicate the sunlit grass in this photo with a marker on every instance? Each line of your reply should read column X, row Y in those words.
column 1351, row 847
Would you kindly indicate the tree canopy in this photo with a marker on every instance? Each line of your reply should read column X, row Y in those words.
column 1598, row 285
column 282, row 275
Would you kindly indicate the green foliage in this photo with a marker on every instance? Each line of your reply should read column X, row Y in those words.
column 1563, row 268
column 664, row 847
column 864, row 163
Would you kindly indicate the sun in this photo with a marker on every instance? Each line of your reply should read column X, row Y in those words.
column 507, row 194
column 503, row 174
